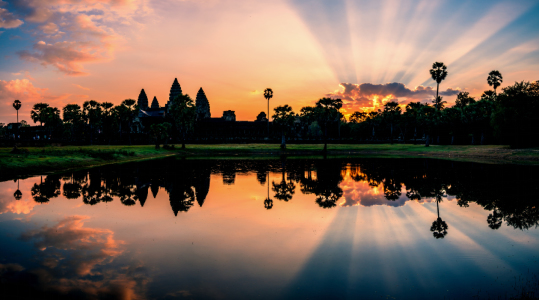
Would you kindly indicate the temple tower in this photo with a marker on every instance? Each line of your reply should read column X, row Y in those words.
column 155, row 104
column 175, row 90
column 202, row 105
column 142, row 100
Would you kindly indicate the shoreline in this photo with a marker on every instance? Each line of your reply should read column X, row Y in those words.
column 44, row 160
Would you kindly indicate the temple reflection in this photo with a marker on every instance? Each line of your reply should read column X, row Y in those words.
column 364, row 182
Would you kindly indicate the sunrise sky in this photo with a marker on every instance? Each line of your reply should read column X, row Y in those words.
column 70, row 51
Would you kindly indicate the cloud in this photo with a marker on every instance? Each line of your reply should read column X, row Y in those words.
column 71, row 33
column 8, row 20
column 65, row 56
column 81, row 87
column 368, row 95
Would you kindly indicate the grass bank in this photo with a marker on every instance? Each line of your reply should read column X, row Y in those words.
column 40, row 160
column 50, row 159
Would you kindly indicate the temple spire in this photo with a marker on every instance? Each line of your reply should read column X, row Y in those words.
column 155, row 103
column 142, row 100
column 203, row 105
column 175, row 90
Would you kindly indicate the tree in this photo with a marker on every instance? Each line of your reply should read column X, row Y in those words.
column 439, row 103
column 284, row 118
column 438, row 73
column 284, row 190
column 108, row 119
column 494, row 79
column 184, row 114
column 73, row 115
column 392, row 112
column 36, row 113
column 268, row 94
column 129, row 114
column 159, row 132
column 514, row 118
column 51, row 117
column 92, row 115
column 439, row 227
column 358, row 117
column 427, row 119
column 327, row 111
column 463, row 100
column 452, row 118
column 17, row 106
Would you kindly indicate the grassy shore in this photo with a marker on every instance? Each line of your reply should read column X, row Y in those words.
column 50, row 159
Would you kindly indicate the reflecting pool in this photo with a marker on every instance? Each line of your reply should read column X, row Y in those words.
column 272, row 229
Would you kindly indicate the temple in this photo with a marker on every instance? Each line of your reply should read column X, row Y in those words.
column 224, row 127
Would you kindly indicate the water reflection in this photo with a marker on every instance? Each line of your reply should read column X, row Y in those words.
column 187, row 182
column 284, row 228
column 18, row 194
column 73, row 262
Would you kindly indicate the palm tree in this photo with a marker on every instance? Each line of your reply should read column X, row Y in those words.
column 17, row 106
column 183, row 113
column 284, row 117
column 268, row 94
column 268, row 203
column 439, row 227
column 37, row 112
column 327, row 111
column 494, row 79
column 392, row 112
column 438, row 73
column 18, row 193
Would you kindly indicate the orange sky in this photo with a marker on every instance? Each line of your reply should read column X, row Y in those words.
column 66, row 51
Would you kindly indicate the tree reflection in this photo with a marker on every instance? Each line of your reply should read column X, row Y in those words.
column 439, row 227
column 283, row 190
column 268, row 202
column 18, row 194
column 489, row 186
column 494, row 219
column 45, row 190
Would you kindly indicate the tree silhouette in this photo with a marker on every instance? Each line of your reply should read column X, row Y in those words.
column 284, row 118
column 17, row 106
column 327, row 111
column 392, row 112
column 284, row 190
column 439, row 227
column 268, row 202
column 184, row 114
column 268, row 94
column 72, row 190
column 495, row 219
column 18, row 193
column 50, row 188
column 92, row 115
column 73, row 115
column 37, row 111
column 438, row 73
column 159, row 132
column 494, row 79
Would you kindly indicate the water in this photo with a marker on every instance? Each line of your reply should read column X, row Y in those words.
column 266, row 229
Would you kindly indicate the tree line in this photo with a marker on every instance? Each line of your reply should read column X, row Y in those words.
column 504, row 118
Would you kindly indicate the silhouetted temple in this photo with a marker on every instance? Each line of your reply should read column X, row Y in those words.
column 225, row 127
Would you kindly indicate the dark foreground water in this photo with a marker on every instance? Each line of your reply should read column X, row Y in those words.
column 268, row 229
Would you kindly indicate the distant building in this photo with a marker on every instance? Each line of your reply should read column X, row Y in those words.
column 207, row 127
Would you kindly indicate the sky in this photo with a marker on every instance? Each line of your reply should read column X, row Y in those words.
column 364, row 52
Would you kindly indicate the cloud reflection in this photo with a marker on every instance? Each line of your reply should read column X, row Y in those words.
column 75, row 262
